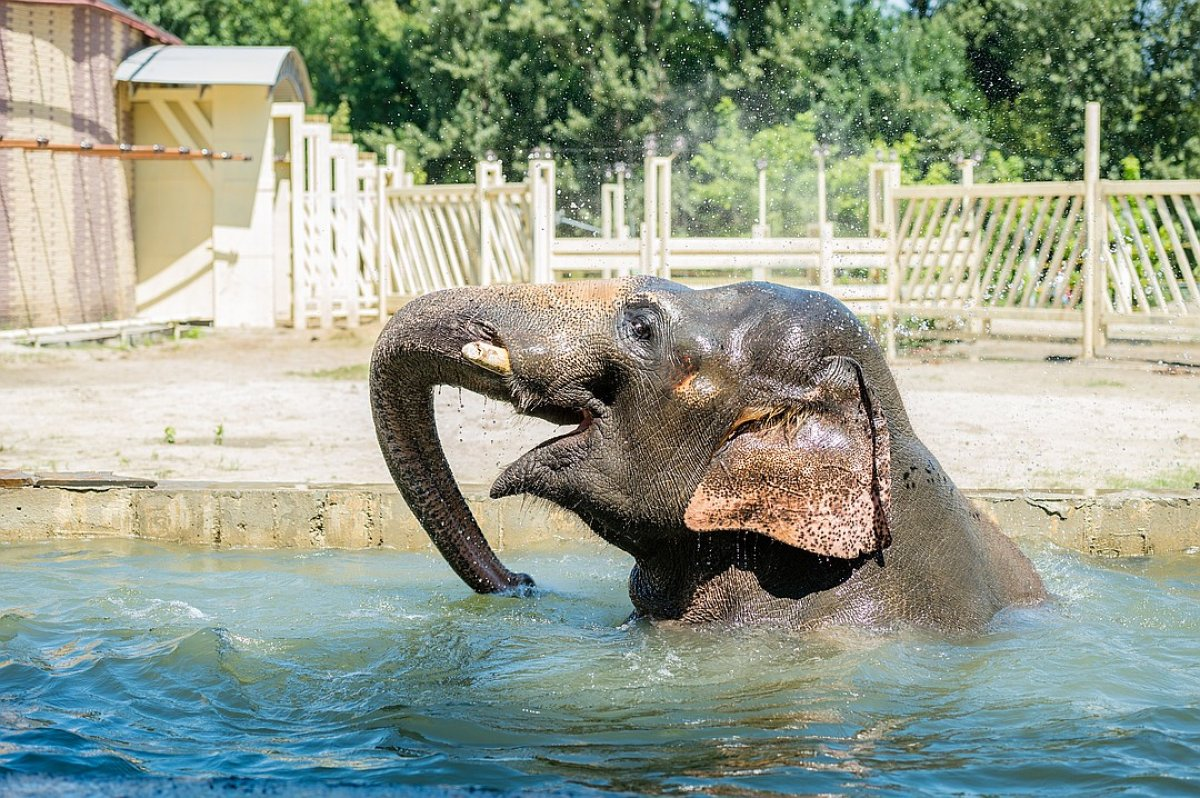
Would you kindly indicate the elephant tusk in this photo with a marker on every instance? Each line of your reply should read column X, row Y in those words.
column 486, row 356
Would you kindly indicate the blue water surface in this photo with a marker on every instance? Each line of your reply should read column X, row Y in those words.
column 131, row 666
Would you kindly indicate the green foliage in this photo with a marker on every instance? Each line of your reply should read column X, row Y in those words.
column 447, row 80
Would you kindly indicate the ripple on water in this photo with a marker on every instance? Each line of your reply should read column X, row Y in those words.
column 128, row 660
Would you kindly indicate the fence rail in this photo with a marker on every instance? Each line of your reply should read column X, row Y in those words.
column 1015, row 247
column 1087, row 258
column 1152, row 264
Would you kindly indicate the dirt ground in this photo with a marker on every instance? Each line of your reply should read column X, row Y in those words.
column 291, row 406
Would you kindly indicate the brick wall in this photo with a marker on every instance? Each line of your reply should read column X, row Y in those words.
column 66, row 235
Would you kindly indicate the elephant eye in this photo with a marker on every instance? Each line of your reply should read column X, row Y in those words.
column 641, row 326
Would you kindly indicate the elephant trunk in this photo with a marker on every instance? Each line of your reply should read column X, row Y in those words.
column 422, row 347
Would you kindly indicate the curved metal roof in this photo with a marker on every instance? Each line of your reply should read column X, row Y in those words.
column 281, row 68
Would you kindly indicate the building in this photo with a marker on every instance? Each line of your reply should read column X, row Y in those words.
column 139, row 177
column 205, row 231
column 66, row 227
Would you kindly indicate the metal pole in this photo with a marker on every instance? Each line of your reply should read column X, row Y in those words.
column 1093, row 218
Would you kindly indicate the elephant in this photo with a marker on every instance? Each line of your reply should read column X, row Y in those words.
column 746, row 444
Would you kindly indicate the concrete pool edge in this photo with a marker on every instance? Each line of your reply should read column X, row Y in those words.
column 260, row 515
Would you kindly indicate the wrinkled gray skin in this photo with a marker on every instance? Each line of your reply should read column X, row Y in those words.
column 657, row 375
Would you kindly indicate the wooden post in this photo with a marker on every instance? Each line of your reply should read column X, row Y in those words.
column 650, row 209
column 294, row 112
column 343, row 159
column 891, row 181
column 383, row 179
column 487, row 174
column 1093, row 215
column 664, row 216
column 608, row 192
column 541, row 186
column 875, row 172
column 762, row 229
column 620, row 228
column 824, row 255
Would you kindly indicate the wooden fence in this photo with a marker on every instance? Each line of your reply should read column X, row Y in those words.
column 1091, row 259
column 1152, row 262
column 1082, row 259
column 850, row 268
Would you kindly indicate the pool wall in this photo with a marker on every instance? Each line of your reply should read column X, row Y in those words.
column 362, row 516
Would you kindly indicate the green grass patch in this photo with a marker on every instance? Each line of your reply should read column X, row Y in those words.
column 358, row 371
column 1178, row 478
column 1103, row 384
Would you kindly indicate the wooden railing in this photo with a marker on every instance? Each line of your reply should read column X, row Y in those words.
column 954, row 259
column 1109, row 257
column 1019, row 252
column 855, row 273
column 995, row 250
column 1152, row 262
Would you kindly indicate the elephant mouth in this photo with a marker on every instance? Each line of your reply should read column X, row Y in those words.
column 539, row 470
column 532, row 471
column 583, row 417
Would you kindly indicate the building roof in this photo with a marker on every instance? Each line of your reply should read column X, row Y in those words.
column 121, row 12
column 281, row 68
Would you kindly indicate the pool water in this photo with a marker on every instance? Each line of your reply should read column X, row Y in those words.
column 326, row 670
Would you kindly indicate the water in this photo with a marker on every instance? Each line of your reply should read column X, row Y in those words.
column 168, row 665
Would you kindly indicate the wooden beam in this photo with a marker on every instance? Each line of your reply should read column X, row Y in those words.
column 176, row 129
column 125, row 152
column 191, row 109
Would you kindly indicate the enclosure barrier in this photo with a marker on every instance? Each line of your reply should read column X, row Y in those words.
column 256, row 515
column 1083, row 260
column 1091, row 259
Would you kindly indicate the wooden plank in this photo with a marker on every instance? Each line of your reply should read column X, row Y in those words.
column 987, row 312
column 1039, row 275
column 1016, row 249
column 1033, row 189
column 1147, row 272
column 911, row 257
column 409, row 277
column 1055, row 263
column 16, row 479
column 998, row 248
column 998, row 210
column 90, row 480
column 1126, row 258
column 1021, row 272
column 1164, row 259
column 436, row 233
column 952, row 224
column 961, row 288
column 1130, row 187
column 1185, row 220
column 464, row 191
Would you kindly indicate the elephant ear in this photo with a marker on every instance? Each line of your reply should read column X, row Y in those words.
column 815, row 474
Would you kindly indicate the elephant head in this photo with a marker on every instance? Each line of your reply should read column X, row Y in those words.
column 750, row 408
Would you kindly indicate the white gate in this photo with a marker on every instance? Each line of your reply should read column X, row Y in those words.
column 331, row 274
